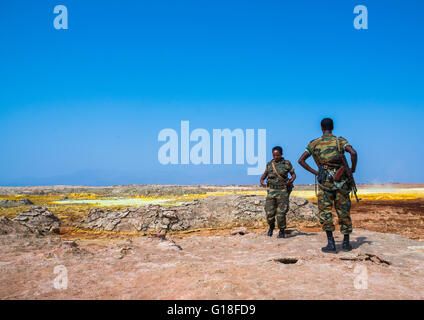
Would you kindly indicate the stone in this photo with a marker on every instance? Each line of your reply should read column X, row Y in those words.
column 39, row 218
column 293, row 231
column 169, row 214
column 8, row 226
column 55, row 230
column 241, row 231
column 365, row 257
column 213, row 211
column 6, row 203
column 125, row 250
column 69, row 244
column 169, row 244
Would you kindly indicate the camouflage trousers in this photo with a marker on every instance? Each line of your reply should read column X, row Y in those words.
column 276, row 207
column 342, row 204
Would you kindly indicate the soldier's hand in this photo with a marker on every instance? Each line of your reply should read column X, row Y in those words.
column 263, row 184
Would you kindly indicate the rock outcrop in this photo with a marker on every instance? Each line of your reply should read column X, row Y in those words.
column 39, row 218
column 213, row 211
column 6, row 203
column 10, row 227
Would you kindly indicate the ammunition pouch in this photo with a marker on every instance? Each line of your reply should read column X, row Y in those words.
column 327, row 174
column 322, row 174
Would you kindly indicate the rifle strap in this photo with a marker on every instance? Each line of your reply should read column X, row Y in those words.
column 276, row 172
column 338, row 145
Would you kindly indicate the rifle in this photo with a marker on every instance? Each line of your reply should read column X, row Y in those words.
column 346, row 169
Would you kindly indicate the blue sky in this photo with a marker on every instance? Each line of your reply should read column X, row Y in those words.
column 85, row 105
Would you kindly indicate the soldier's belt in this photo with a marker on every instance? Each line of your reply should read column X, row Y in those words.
column 330, row 166
column 276, row 187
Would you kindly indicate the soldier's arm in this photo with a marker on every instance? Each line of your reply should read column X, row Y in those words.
column 292, row 174
column 302, row 162
column 263, row 178
column 353, row 157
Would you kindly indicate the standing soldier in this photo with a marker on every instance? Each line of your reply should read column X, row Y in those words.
column 279, row 188
column 332, row 182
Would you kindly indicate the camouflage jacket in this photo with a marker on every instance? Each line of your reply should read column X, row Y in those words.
column 325, row 150
column 284, row 167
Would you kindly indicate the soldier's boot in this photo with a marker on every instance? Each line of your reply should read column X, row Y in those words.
column 346, row 244
column 271, row 229
column 331, row 246
column 281, row 234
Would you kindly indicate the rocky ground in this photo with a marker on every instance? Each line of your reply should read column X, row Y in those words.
column 403, row 217
column 210, row 248
column 243, row 265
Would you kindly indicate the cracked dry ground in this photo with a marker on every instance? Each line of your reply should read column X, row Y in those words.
column 214, row 266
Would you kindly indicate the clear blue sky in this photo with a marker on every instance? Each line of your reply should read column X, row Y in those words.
column 85, row 105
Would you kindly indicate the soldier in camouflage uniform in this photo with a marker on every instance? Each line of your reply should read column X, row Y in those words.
column 279, row 188
column 325, row 151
